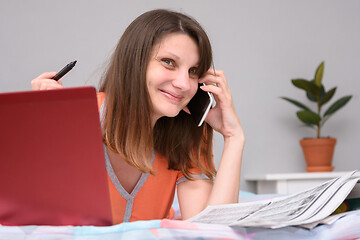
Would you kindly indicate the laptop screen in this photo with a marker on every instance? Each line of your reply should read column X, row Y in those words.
column 52, row 168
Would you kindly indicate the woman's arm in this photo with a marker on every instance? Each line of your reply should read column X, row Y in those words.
column 194, row 196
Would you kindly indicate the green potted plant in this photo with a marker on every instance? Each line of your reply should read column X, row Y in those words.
column 318, row 151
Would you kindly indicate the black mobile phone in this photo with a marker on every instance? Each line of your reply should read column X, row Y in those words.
column 200, row 105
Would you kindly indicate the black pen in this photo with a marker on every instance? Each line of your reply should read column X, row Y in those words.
column 64, row 71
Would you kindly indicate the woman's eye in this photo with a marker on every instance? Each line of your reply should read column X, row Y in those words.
column 168, row 62
column 193, row 71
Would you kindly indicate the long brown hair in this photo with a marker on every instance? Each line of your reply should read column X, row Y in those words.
column 127, row 126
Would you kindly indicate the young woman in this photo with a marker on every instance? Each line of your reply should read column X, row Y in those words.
column 151, row 143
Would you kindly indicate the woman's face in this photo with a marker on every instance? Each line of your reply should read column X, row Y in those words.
column 171, row 75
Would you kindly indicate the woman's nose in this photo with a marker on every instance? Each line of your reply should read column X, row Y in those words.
column 182, row 80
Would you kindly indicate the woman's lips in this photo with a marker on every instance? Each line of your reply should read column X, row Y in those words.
column 172, row 96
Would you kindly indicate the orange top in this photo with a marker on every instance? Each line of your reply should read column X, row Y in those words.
column 152, row 196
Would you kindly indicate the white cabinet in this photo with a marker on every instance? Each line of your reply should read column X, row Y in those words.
column 287, row 183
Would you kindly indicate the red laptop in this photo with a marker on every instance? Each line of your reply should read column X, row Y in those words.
column 52, row 168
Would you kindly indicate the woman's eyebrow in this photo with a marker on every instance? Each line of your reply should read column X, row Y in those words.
column 172, row 55
column 176, row 57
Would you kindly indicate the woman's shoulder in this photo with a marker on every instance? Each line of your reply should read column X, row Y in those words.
column 100, row 98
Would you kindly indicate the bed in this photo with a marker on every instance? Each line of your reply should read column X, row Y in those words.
column 347, row 227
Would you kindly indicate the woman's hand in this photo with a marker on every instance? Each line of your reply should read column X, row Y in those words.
column 44, row 82
column 222, row 117
column 194, row 196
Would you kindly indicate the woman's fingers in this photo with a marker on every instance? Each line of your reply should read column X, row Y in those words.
column 47, row 75
column 223, row 117
column 215, row 82
column 45, row 82
column 214, row 77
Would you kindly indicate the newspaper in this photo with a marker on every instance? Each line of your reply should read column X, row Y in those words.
column 303, row 208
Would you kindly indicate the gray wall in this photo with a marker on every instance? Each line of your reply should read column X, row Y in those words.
column 259, row 44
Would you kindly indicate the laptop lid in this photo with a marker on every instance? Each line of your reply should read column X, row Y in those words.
column 52, row 168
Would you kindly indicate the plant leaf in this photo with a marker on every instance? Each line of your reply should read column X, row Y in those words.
column 327, row 96
column 312, row 97
column 308, row 117
column 308, row 86
column 296, row 103
column 337, row 105
column 319, row 74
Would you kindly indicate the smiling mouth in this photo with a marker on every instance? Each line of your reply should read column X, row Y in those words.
column 171, row 96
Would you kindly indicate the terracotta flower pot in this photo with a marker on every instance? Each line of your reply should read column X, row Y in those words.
column 318, row 153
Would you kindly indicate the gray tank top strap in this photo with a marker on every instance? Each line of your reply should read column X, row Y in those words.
column 128, row 196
